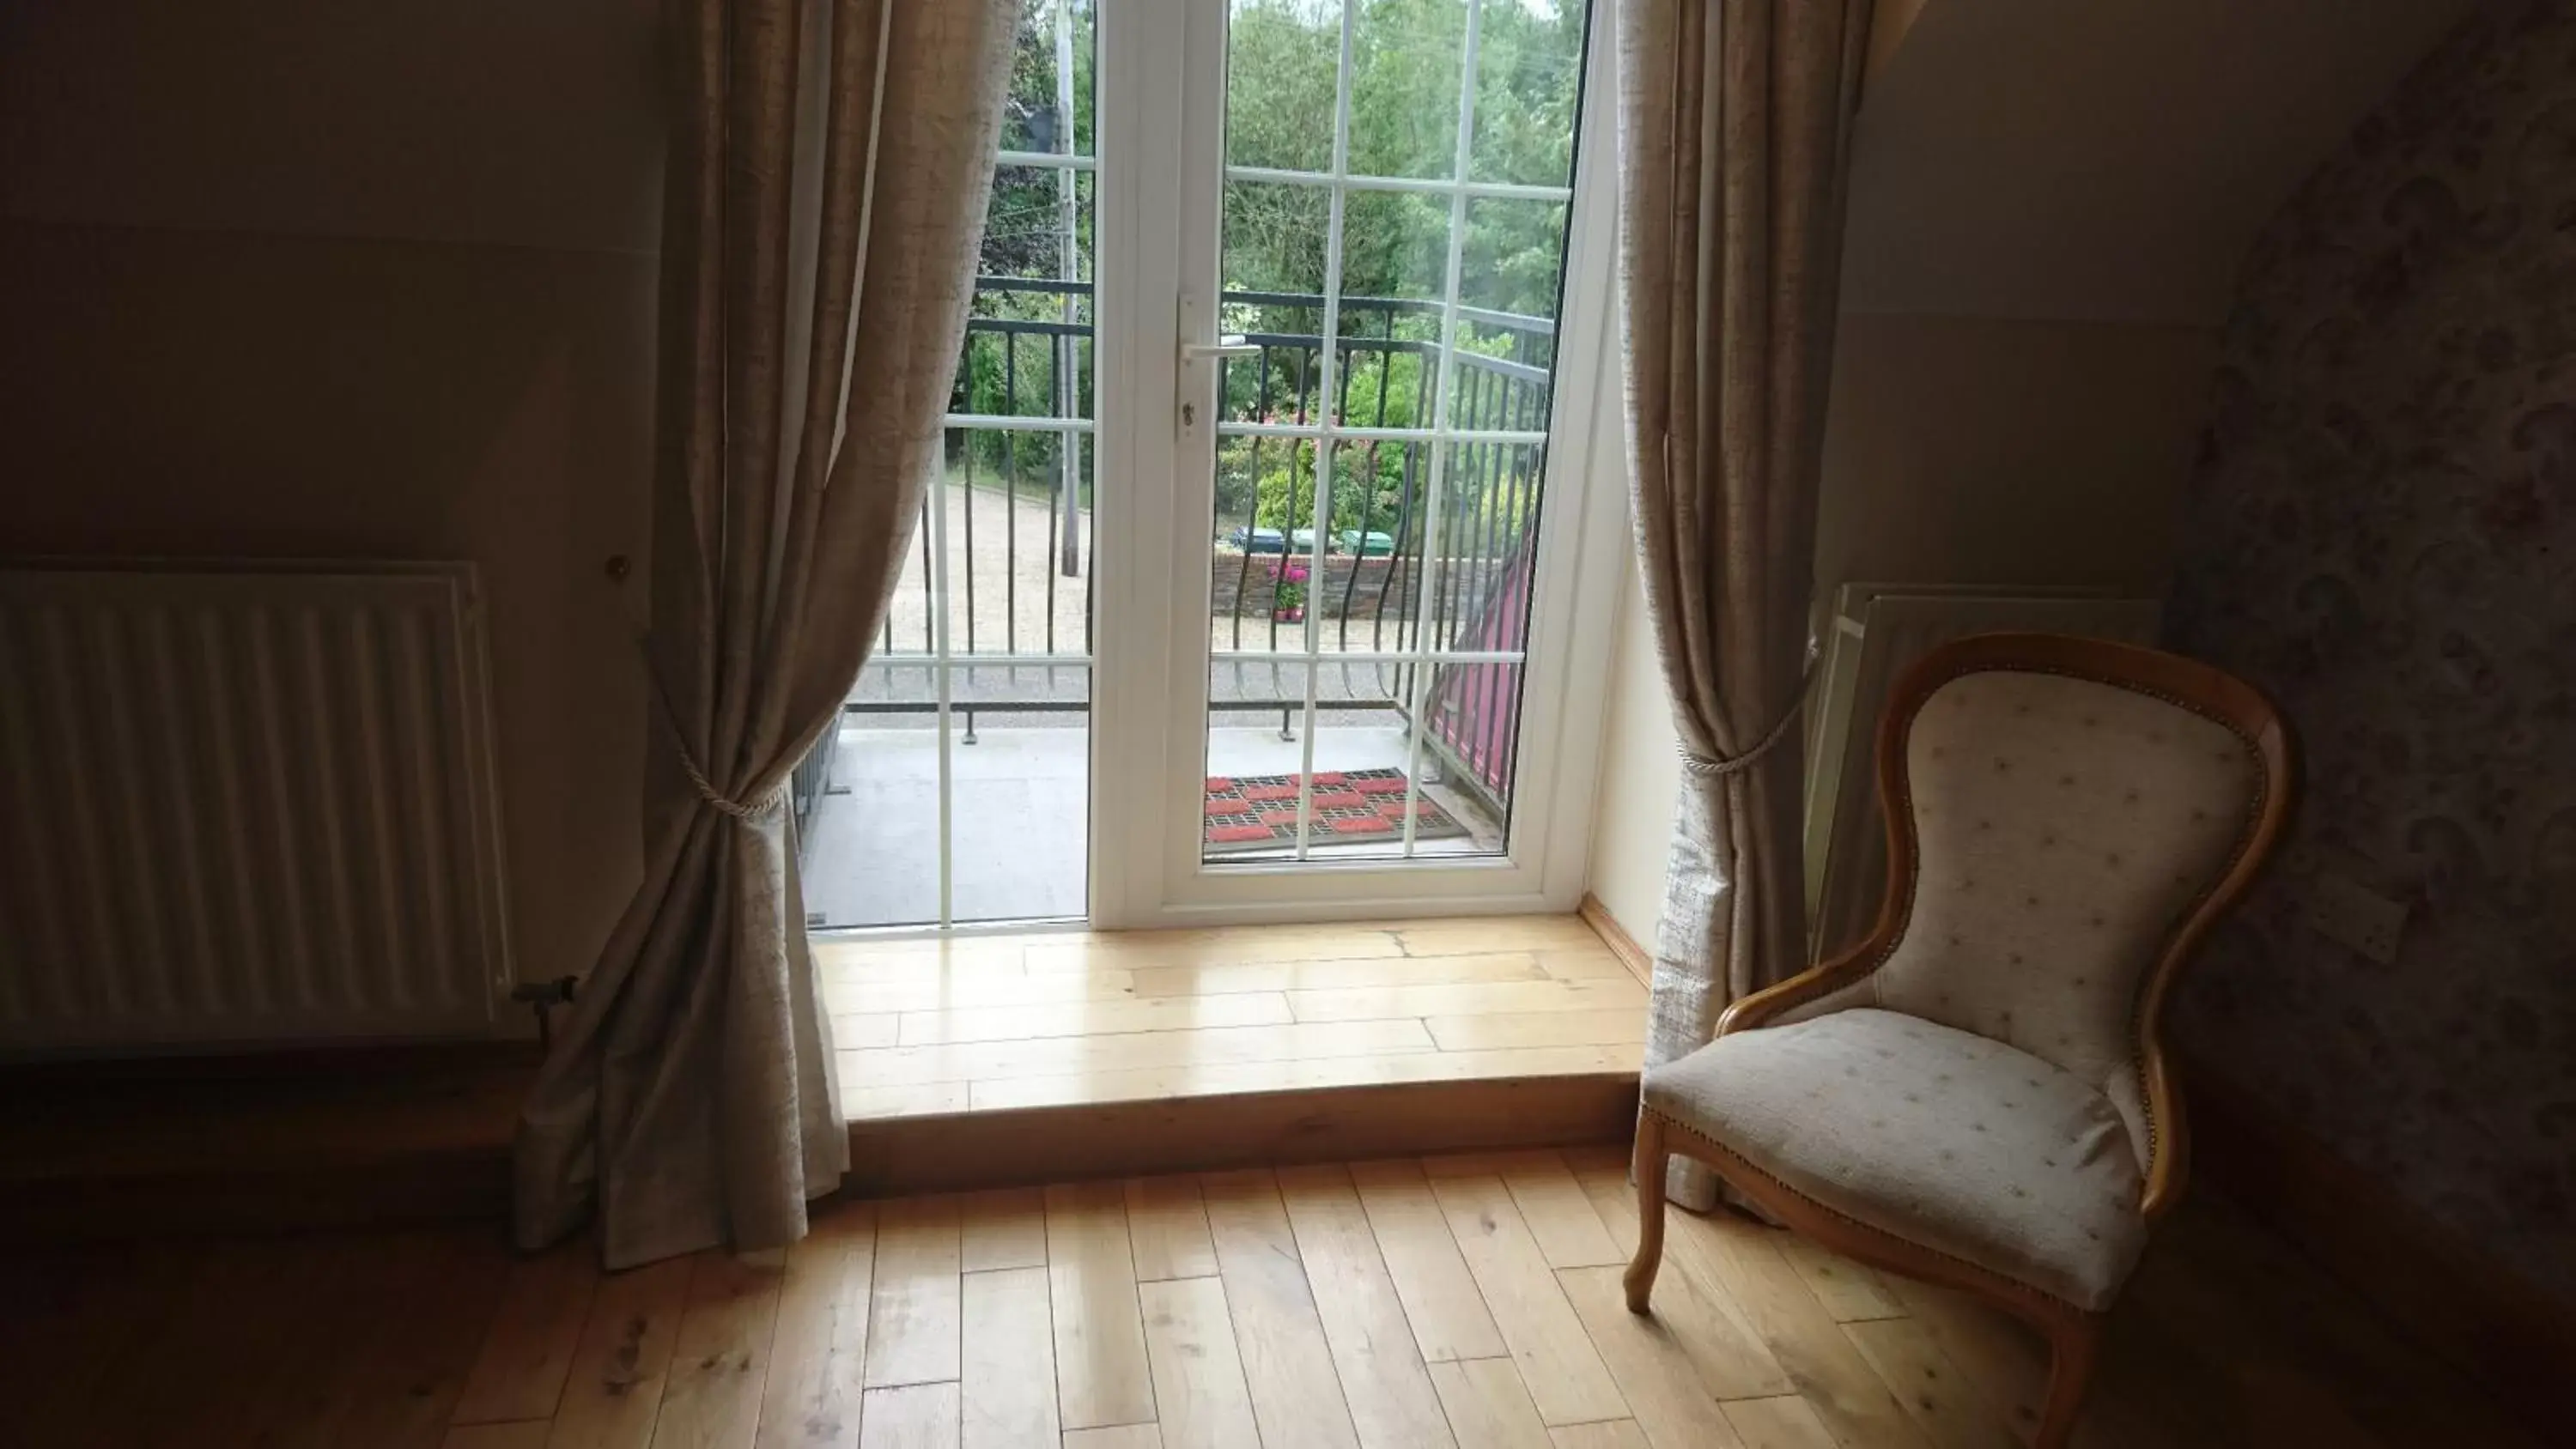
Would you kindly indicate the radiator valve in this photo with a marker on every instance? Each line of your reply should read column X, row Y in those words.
column 543, row 997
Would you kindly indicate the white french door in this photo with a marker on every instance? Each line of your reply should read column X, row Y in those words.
column 1354, row 377
column 1270, row 566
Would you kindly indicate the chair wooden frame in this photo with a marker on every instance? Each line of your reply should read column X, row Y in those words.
column 2073, row 1332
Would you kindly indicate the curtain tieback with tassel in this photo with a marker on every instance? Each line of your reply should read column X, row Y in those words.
column 1711, row 767
column 743, row 810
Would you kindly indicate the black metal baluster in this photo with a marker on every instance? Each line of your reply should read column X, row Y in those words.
column 1389, row 582
column 1368, row 488
column 1385, row 366
column 1526, row 500
column 1454, row 518
column 969, row 551
column 1342, row 401
column 1010, row 404
column 1359, row 547
column 1252, row 509
column 1055, row 506
column 1425, row 461
column 1472, row 517
column 1493, row 492
column 1503, row 686
column 1492, row 565
column 1490, row 519
column 929, row 579
column 1310, row 364
column 1010, row 571
column 1085, row 561
column 1526, row 467
column 1309, row 360
column 1328, row 478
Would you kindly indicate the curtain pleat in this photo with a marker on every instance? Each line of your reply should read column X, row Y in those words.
column 1734, row 121
column 818, row 256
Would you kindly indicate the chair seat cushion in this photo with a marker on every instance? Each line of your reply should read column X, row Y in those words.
column 1944, row 1138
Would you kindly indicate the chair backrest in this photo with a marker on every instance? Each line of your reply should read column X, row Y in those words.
column 2065, row 818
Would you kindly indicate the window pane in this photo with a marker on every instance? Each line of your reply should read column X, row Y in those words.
column 1275, row 237
column 1029, row 231
column 872, row 845
column 1486, row 554
column 1514, row 257
column 1529, row 73
column 1397, row 562
column 1405, row 61
column 1260, row 566
column 1394, row 244
column 1470, row 734
column 1002, row 553
column 1054, row 44
column 1019, row 548
column 1510, row 276
column 1282, row 62
column 1019, row 761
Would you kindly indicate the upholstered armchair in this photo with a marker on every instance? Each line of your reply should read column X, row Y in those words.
column 1977, row 1094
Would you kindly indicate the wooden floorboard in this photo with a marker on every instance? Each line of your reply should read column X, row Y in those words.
column 1103, row 1376
column 1386, row 1304
column 1136, row 1191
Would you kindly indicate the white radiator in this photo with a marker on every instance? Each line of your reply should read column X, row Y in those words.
column 1879, row 630
column 246, row 805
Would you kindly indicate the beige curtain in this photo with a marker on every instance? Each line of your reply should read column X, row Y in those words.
column 825, row 192
column 1734, row 117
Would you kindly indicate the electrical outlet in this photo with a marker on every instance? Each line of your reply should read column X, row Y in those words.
column 2345, row 910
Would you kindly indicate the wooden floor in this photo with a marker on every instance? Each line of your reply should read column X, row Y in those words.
column 1465, row 1301
column 981, row 1023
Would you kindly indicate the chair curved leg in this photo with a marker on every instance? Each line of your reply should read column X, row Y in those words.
column 1648, row 1164
column 2073, row 1343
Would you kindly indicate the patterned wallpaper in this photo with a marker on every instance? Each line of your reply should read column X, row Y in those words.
column 2381, row 531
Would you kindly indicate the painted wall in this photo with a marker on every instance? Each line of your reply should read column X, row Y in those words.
column 293, row 278
column 1641, row 777
column 2381, row 532
column 2007, row 451
column 2047, row 203
column 2106, row 161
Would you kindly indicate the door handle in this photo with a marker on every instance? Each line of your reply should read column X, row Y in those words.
column 1197, row 382
column 1230, row 345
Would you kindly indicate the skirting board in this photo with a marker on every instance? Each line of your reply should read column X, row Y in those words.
column 336, row 1137
column 2457, row 1303
column 1616, row 937
column 891, row 1156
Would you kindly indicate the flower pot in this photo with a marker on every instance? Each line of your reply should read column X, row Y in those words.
column 1288, row 614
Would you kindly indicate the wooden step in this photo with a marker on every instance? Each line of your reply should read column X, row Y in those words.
column 272, row 1145
column 1007, row 1147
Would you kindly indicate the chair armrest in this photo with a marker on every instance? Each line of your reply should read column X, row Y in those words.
column 1765, row 1005
column 2169, row 1156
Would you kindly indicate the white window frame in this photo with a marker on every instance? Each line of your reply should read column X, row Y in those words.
column 1159, row 180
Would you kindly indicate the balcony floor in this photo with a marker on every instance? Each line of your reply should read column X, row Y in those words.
column 974, row 1024
column 1019, row 816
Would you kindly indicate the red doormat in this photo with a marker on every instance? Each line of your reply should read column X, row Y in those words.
column 1259, row 812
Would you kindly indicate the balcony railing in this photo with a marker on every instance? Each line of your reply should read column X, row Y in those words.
column 1027, row 357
